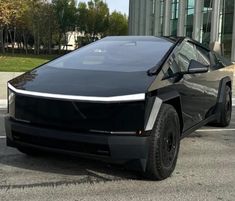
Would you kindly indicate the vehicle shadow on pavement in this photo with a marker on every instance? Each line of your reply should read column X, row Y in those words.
column 86, row 170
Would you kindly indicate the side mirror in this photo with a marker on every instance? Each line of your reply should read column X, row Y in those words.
column 197, row 67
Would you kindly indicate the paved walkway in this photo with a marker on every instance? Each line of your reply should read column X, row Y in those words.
column 4, row 78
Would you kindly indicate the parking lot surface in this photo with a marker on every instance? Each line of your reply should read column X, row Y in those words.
column 205, row 171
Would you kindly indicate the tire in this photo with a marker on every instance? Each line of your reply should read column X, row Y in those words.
column 164, row 144
column 226, row 108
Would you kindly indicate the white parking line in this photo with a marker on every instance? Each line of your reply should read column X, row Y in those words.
column 215, row 130
column 2, row 137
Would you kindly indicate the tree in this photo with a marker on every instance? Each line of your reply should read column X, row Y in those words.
column 6, row 12
column 37, row 25
column 11, row 16
column 65, row 12
column 118, row 24
column 82, row 17
column 42, row 24
column 98, row 18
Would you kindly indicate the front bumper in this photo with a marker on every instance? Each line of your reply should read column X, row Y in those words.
column 121, row 149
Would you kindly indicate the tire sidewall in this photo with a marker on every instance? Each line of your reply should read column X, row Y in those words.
column 225, row 120
column 166, row 171
column 167, row 117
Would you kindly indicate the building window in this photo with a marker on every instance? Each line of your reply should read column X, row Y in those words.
column 189, row 19
column 161, row 16
column 174, row 16
column 226, row 18
column 206, row 26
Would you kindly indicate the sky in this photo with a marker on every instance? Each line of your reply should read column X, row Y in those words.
column 118, row 5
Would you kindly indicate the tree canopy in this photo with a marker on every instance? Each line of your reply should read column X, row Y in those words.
column 39, row 25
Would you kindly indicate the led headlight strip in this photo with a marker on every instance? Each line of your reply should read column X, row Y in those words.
column 125, row 98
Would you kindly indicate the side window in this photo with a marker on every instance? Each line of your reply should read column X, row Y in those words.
column 181, row 59
column 173, row 68
column 203, row 55
column 218, row 61
column 185, row 54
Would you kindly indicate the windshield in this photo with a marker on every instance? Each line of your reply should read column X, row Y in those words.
column 115, row 55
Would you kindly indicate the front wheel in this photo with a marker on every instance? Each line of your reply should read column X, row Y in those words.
column 164, row 144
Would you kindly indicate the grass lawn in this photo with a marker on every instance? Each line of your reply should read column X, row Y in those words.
column 22, row 63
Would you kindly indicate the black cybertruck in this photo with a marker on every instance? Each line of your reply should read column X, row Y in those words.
column 123, row 99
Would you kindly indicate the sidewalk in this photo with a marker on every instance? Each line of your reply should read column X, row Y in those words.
column 6, row 76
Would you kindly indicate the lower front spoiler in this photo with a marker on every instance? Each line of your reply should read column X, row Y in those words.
column 131, row 150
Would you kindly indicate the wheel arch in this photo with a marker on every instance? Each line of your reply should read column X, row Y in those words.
column 226, row 81
column 174, row 100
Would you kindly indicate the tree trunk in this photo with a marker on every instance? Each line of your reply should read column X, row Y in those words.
column 2, row 40
column 50, row 37
column 14, row 40
column 38, row 41
column 60, row 37
column 66, row 41
column 6, row 37
column 25, row 43
column 11, row 38
column 34, row 41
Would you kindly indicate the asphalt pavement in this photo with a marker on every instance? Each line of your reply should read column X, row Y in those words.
column 205, row 171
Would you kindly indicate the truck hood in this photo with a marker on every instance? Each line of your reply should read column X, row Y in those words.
column 83, row 82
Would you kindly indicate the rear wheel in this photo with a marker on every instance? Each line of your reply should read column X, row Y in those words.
column 226, row 109
column 164, row 144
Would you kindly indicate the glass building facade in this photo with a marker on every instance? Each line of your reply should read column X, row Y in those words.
column 190, row 7
column 226, row 18
column 174, row 16
column 161, row 16
column 208, row 21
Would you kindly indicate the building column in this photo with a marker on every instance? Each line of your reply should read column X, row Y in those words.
column 149, row 17
column 215, row 21
column 166, row 17
column 130, row 21
column 136, row 17
column 181, row 19
column 157, row 18
column 142, row 15
column 233, row 37
column 197, row 19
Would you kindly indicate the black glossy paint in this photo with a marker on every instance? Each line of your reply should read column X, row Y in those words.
column 79, row 116
column 114, row 80
column 82, row 82
column 198, row 92
column 194, row 96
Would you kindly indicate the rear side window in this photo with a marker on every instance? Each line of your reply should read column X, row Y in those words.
column 203, row 55
column 219, row 61
column 181, row 59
